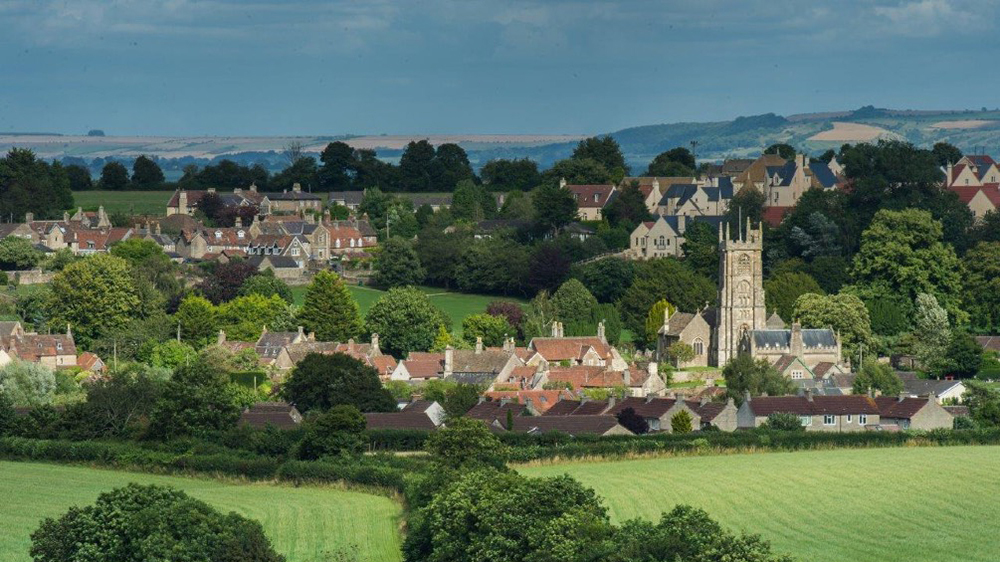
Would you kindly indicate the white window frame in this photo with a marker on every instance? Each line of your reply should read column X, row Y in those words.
column 849, row 418
column 797, row 374
column 805, row 420
column 829, row 419
column 863, row 419
column 295, row 251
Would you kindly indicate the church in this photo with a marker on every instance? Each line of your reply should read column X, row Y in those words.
column 740, row 323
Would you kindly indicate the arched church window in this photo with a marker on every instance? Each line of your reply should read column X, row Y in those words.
column 743, row 265
column 699, row 347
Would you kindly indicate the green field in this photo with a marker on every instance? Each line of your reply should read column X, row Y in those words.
column 302, row 523
column 456, row 305
column 861, row 505
column 128, row 202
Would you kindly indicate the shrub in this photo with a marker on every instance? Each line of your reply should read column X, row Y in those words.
column 681, row 422
column 783, row 421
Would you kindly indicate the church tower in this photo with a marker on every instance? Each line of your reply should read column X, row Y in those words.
column 741, row 291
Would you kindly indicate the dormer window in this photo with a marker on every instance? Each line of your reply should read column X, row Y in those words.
column 90, row 244
column 59, row 346
column 597, row 197
column 218, row 234
column 240, row 234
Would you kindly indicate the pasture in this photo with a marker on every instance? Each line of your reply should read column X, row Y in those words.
column 302, row 522
column 862, row 505
column 456, row 305
column 128, row 202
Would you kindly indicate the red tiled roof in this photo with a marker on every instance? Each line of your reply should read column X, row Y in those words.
column 32, row 347
column 89, row 361
column 541, row 400
column 565, row 349
column 774, row 215
column 423, row 369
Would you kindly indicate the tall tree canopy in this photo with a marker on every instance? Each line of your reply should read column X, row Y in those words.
column 114, row 176
column 28, row 184
column 94, row 295
column 604, row 150
column 674, row 162
column 902, row 253
column 510, row 175
column 146, row 172
column 319, row 382
column 405, row 321
column 330, row 310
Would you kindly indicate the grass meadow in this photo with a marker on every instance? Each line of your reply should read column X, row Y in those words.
column 128, row 202
column 456, row 305
column 302, row 522
column 862, row 505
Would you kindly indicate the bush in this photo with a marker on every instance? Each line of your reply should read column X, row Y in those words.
column 783, row 421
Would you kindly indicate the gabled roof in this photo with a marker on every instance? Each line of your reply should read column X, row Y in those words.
column 573, row 425
column 645, row 407
column 821, row 171
column 786, row 360
column 568, row 348
column 583, row 376
column 489, row 410
column 900, row 408
column 293, row 196
column 32, row 347
column 585, row 195
column 707, row 411
column 270, row 344
column 541, row 400
column 922, row 387
column 399, row 420
column 281, row 415
column 563, row 407
column 490, row 361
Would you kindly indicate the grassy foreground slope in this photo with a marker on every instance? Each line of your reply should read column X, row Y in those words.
column 302, row 523
column 862, row 505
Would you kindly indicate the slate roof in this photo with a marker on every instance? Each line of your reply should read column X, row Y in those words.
column 645, row 407
column 563, row 408
column 281, row 415
column 893, row 407
column 418, row 406
column 298, row 351
column 921, row 387
column 821, row 171
column 269, row 344
column 293, row 196
column 399, row 420
column 573, row 425
column 678, row 321
column 278, row 262
column 989, row 343
column 347, row 198
column 490, row 410
column 763, row 406
column 490, row 361
column 811, row 338
column 707, row 411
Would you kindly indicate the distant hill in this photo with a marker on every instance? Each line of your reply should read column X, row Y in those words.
column 970, row 130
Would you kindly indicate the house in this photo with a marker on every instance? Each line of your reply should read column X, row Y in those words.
column 950, row 391
column 351, row 238
column 270, row 344
column 55, row 351
column 350, row 199
column 90, row 362
column 652, row 188
column 816, row 413
column 590, row 199
column 575, row 350
column 186, row 202
column 294, row 201
column 658, row 412
column 637, row 382
column 280, row 415
column 494, row 412
column 811, row 346
column 722, row 415
column 571, row 425
column 696, row 199
column 284, row 267
column 907, row 412
column 420, row 415
column 537, row 402
column 685, row 327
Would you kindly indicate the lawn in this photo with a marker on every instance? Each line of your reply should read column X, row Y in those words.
column 129, row 202
column 862, row 505
column 301, row 522
column 456, row 305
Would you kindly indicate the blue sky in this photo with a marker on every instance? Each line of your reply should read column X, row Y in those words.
column 181, row 67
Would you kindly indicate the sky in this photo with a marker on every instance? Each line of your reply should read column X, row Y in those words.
column 297, row 67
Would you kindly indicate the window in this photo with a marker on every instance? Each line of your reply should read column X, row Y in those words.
column 654, row 424
column 597, row 197
column 797, row 374
column 240, row 234
column 218, row 234
column 352, row 242
column 849, row 418
column 337, row 243
column 863, row 419
column 805, row 420
column 829, row 419
column 295, row 251
column 699, row 347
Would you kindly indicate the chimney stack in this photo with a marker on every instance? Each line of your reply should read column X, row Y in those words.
column 375, row 349
column 600, row 332
column 449, row 360
column 796, row 339
column 297, row 187
column 809, row 394
column 182, row 203
column 555, row 329
column 65, row 216
column 302, row 334
column 479, row 344
column 221, row 339
column 253, row 187
column 29, row 217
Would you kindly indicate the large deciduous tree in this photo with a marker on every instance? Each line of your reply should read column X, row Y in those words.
column 782, row 290
column 902, row 254
column 405, row 320
column 146, row 172
column 197, row 320
column 743, row 375
column 674, row 162
column 628, row 209
column 94, row 296
column 555, row 207
column 319, row 382
column 150, row 523
column 18, row 253
column 574, row 304
column 492, row 329
column 397, row 265
column 606, row 151
column 845, row 313
column 197, row 399
column 27, row 384
column 981, row 296
column 877, row 376
column 114, row 176
column 510, row 175
column 330, row 310
column 28, row 184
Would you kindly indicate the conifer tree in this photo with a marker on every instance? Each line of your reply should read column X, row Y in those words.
column 329, row 309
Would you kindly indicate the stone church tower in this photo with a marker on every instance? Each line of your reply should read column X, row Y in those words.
column 741, row 291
